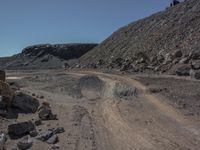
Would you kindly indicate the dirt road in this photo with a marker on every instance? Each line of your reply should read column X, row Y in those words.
column 113, row 113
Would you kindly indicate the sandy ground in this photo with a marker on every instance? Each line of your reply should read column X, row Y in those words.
column 100, row 120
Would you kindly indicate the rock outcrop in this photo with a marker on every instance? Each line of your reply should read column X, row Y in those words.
column 45, row 56
column 63, row 51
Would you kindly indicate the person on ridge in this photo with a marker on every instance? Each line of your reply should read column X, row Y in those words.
column 174, row 2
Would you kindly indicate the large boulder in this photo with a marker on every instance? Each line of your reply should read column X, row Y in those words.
column 21, row 129
column 25, row 103
column 2, row 75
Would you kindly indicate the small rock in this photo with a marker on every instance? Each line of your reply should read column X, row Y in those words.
column 55, row 146
column 195, row 74
column 168, row 58
column 44, row 136
column 14, row 147
column 53, row 140
column 196, row 65
column 38, row 122
column 177, row 54
column 157, row 90
column 45, row 113
column 2, row 141
column 183, row 70
column 25, row 143
column 157, row 68
column 21, row 129
column 58, row 130
column 184, row 60
column 41, row 97
column 192, row 73
column 33, row 133
column 175, row 61
column 195, row 54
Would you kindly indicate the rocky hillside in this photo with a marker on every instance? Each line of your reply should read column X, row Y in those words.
column 45, row 56
column 161, row 42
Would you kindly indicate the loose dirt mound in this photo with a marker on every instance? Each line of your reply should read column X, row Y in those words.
column 91, row 83
column 93, row 87
column 90, row 86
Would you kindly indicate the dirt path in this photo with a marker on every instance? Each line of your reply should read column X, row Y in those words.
column 106, row 122
column 157, row 125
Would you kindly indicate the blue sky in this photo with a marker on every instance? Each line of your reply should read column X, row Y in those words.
column 29, row 22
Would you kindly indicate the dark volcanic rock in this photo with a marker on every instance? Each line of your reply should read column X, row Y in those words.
column 33, row 133
column 64, row 51
column 44, row 136
column 8, row 114
column 58, row 130
column 25, row 103
column 21, row 129
column 53, row 140
column 38, row 122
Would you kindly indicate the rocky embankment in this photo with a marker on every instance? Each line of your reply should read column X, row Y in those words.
column 45, row 56
column 165, row 42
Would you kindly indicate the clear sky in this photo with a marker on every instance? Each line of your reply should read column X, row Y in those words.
column 29, row 22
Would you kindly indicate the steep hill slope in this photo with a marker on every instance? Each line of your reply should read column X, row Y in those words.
column 45, row 56
column 151, row 42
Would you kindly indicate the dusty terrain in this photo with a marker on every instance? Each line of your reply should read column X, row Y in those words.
column 113, row 111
